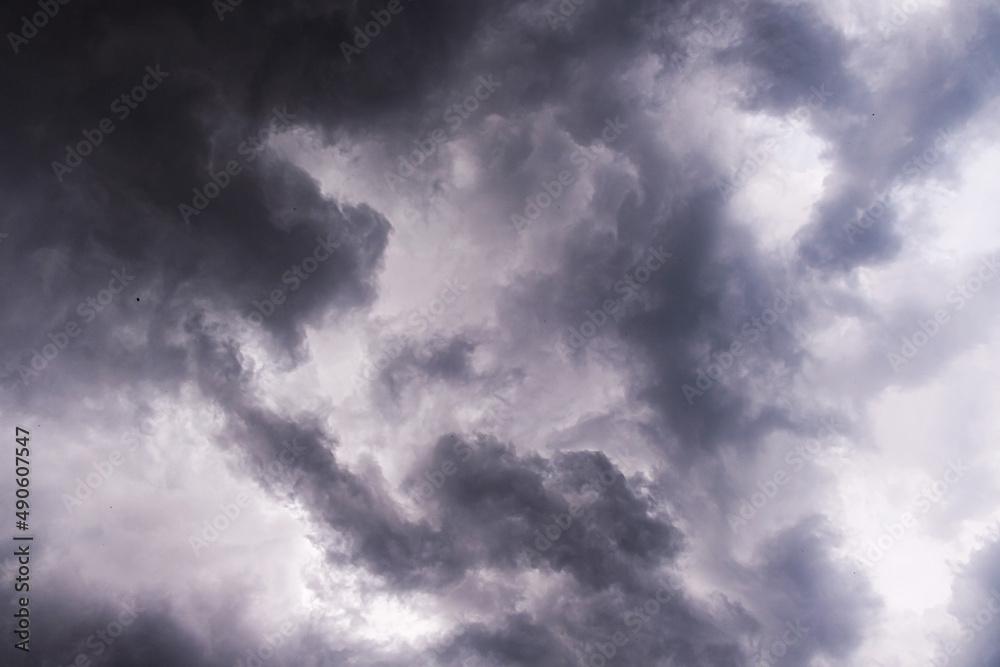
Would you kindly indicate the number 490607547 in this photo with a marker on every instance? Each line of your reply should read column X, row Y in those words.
column 22, row 502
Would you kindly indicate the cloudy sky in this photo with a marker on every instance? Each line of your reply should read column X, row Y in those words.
column 509, row 333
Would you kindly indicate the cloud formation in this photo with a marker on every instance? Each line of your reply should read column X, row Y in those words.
column 487, row 318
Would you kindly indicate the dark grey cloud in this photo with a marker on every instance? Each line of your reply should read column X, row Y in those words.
column 802, row 582
column 587, row 525
column 975, row 603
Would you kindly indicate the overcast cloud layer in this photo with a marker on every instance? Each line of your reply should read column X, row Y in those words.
column 549, row 333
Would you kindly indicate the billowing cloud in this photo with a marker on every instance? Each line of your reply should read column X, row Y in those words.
column 521, row 333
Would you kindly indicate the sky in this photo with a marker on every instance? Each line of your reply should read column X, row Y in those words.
column 649, row 333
